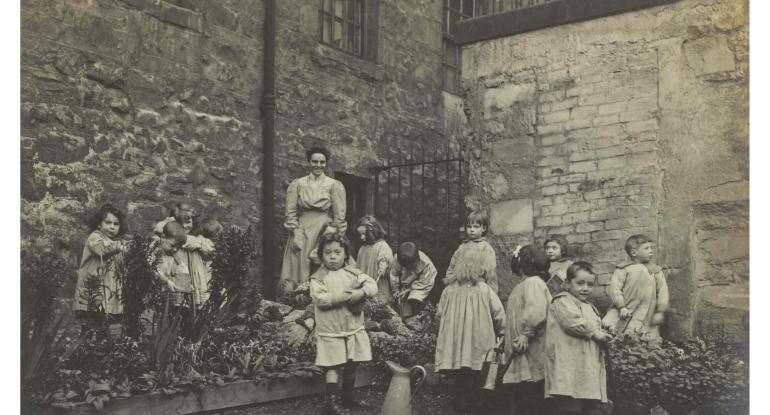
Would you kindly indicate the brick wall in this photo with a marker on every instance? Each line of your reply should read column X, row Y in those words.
column 615, row 126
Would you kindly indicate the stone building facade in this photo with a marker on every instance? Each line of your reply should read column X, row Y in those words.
column 142, row 103
column 635, row 122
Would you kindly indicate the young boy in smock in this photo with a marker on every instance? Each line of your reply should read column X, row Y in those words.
column 638, row 291
column 338, row 293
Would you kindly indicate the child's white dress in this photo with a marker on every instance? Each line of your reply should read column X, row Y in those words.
column 476, row 258
column 642, row 289
column 472, row 317
column 374, row 260
column 101, row 255
column 574, row 364
column 526, row 313
column 340, row 333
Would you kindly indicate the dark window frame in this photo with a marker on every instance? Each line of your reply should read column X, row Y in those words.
column 353, row 19
column 548, row 14
column 453, row 12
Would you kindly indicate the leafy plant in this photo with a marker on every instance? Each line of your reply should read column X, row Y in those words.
column 43, row 344
column 695, row 375
column 141, row 286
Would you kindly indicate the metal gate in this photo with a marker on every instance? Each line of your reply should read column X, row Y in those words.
column 424, row 202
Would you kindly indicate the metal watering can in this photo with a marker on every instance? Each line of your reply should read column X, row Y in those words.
column 398, row 400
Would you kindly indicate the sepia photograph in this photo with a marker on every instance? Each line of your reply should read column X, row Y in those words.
column 396, row 207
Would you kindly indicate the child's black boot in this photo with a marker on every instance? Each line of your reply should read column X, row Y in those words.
column 332, row 404
column 348, row 383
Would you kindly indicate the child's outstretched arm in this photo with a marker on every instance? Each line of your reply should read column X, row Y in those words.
column 425, row 279
column 325, row 299
column 102, row 245
column 571, row 320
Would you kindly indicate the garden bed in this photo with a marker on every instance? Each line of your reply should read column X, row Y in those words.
column 213, row 397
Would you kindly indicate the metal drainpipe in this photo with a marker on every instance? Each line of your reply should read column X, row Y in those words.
column 268, row 138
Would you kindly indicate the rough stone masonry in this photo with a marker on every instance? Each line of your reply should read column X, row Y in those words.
column 636, row 123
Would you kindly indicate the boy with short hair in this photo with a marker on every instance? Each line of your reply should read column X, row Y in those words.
column 412, row 275
column 638, row 291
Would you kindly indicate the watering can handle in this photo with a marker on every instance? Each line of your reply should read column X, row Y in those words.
column 421, row 369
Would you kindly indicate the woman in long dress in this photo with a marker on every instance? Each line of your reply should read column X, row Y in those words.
column 312, row 201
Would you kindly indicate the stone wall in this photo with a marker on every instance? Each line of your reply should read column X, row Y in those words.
column 636, row 123
column 142, row 103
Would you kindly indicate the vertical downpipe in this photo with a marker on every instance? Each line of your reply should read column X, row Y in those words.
column 269, row 280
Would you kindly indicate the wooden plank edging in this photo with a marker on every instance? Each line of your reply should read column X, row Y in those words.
column 239, row 393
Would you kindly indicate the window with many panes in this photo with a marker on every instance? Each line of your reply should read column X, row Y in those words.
column 454, row 11
column 342, row 25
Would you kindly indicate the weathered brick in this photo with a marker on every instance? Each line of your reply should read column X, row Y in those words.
column 605, row 235
column 556, row 117
column 645, row 103
column 582, row 166
column 639, row 115
column 604, row 214
column 583, row 112
column 560, row 230
column 567, row 199
column 572, row 178
column 556, row 95
column 620, row 223
column 609, row 131
column 550, row 181
column 592, row 99
column 603, row 279
column 610, row 151
column 551, row 161
column 558, row 105
column 556, row 76
column 550, row 129
column 553, row 139
column 582, row 155
column 578, row 217
column 612, row 163
column 543, row 201
column 580, row 90
column 606, row 120
column 554, row 190
column 578, row 237
column 639, row 126
column 613, row 108
column 548, row 221
column 577, row 124
column 554, row 210
column 589, row 226
column 581, row 134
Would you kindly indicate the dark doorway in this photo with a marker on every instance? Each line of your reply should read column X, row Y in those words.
column 355, row 191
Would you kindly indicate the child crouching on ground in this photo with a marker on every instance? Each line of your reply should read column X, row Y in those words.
column 338, row 292
column 575, row 375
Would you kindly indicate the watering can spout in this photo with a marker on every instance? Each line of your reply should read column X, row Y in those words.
column 398, row 401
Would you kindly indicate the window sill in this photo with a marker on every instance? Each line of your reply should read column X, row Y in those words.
column 329, row 55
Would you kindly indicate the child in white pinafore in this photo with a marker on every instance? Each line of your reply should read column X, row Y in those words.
column 472, row 320
column 556, row 248
column 475, row 256
column 638, row 291
column 575, row 375
column 526, row 313
column 338, row 293
column 194, row 250
column 374, row 255
column 101, row 253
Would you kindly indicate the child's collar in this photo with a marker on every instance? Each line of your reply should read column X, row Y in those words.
column 479, row 239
